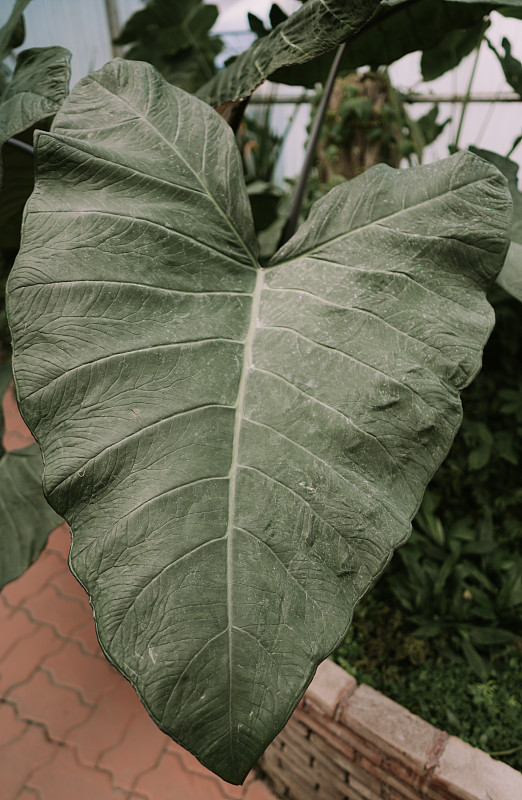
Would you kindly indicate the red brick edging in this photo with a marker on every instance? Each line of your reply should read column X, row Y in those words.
column 350, row 742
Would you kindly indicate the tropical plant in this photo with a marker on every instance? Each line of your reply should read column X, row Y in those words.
column 238, row 450
column 176, row 39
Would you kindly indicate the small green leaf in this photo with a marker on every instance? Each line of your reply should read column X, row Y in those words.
column 489, row 637
column 12, row 32
column 429, row 127
column 451, row 50
column 476, row 662
column 26, row 518
column 511, row 67
column 277, row 16
column 430, row 630
column 256, row 26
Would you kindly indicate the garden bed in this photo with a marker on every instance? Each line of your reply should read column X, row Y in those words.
column 350, row 742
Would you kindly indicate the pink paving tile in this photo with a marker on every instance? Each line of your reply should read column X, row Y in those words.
column 16, row 626
column 11, row 726
column 57, row 708
column 20, row 757
column 169, row 780
column 189, row 761
column 65, row 778
column 107, row 725
column 60, row 541
column 258, row 790
column 65, row 614
column 67, row 585
column 191, row 764
column 28, row 794
column 26, row 655
column 88, row 675
column 86, row 637
column 34, row 579
column 136, row 753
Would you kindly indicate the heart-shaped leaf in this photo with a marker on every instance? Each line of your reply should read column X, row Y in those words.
column 39, row 86
column 314, row 29
column 238, row 450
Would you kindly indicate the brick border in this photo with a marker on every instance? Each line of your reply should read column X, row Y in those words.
column 350, row 742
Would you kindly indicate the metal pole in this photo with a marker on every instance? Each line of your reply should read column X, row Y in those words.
column 479, row 97
column 297, row 200
column 111, row 6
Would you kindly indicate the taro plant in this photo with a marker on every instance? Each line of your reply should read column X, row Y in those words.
column 238, row 450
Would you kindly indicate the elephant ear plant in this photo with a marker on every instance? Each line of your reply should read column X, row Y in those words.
column 238, row 450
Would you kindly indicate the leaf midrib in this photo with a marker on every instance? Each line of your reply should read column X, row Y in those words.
column 241, row 394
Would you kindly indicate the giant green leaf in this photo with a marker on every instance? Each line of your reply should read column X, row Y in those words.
column 26, row 519
column 397, row 29
column 39, row 86
column 238, row 450
column 314, row 29
column 510, row 277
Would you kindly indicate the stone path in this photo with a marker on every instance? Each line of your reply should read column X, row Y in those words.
column 71, row 727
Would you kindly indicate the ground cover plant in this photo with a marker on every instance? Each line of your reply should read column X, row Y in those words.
column 238, row 450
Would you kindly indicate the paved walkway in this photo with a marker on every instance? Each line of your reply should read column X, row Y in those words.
column 71, row 727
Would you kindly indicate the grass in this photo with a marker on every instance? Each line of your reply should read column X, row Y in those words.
column 443, row 690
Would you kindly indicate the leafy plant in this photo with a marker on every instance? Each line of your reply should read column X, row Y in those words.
column 486, row 713
column 238, row 450
column 175, row 37
column 258, row 434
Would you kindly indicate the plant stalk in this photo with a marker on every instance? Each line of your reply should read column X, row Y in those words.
column 467, row 96
column 297, row 200
column 27, row 148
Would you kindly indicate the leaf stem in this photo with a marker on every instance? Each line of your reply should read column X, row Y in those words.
column 465, row 103
column 297, row 200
